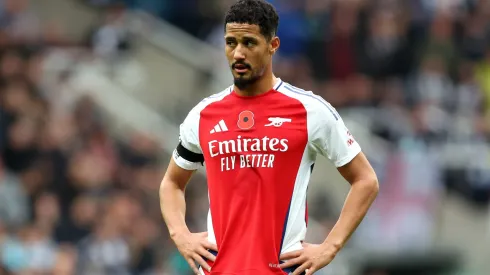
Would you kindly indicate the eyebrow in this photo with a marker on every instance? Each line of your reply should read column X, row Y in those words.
column 250, row 37
column 245, row 37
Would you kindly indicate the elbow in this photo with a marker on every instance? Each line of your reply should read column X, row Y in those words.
column 368, row 185
column 373, row 186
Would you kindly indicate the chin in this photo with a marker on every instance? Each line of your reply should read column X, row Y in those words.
column 242, row 76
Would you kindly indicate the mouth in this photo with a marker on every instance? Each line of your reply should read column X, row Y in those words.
column 240, row 68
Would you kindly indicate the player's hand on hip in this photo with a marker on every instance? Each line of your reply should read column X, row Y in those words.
column 309, row 259
column 194, row 248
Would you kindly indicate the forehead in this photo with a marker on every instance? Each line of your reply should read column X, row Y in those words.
column 242, row 29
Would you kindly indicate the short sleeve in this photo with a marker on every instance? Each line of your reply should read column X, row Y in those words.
column 188, row 154
column 329, row 135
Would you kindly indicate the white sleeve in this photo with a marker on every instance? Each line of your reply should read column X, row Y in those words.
column 188, row 154
column 330, row 136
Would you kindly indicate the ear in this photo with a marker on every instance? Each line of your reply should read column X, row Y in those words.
column 274, row 45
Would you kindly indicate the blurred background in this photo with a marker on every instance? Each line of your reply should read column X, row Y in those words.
column 92, row 93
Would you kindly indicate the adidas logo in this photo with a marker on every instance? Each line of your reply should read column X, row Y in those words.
column 220, row 127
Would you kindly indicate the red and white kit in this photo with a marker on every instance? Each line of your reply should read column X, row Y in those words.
column 259, row 153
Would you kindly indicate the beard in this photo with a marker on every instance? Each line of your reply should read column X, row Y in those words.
column 242, row 82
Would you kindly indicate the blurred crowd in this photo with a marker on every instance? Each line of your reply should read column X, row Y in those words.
column 73, row 199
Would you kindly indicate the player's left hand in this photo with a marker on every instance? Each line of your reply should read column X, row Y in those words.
column 309, row 259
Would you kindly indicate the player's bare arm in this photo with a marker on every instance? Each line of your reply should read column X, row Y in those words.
column 192, row 246
column 259, row 139
column 364, row 189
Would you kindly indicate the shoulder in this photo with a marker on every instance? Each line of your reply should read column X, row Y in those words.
column 315, row 105
column 196, row 110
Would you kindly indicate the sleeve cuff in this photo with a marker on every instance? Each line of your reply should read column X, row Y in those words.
column 353, row 152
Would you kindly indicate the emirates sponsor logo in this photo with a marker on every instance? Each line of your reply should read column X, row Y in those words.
column 247, row 152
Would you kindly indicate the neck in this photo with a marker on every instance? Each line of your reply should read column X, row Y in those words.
column 263, row 85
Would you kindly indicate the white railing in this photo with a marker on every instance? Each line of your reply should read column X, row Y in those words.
column 190, row 50
column 168, row 37
column 126, row 108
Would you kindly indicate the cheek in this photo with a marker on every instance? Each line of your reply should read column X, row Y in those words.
column 229, row 54
column 265, row 57
column 262, row 62
column 259, row 59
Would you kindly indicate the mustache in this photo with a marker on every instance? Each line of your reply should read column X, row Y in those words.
column 242, row 64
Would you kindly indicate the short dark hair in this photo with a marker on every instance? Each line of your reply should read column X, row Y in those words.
column 254, row 12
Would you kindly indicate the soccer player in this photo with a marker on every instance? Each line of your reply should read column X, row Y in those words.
column 258, row 140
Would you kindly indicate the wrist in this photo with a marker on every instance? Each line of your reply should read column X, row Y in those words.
column 175, row 233
column 332, row 247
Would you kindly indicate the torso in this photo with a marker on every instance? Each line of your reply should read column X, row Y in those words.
column 252, row 170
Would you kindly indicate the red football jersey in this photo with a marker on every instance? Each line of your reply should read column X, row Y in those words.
column 259, row 153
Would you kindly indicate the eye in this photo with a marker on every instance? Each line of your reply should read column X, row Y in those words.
column 250, row 43
column 230, row 42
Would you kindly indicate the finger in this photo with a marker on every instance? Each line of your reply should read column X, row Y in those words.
column 310, row 271
column 301, row 269
column 305, row 245
column 193, row 266
column 210, row 246
column 208, row 255
column 290, row 255
column 201, row 261
column 292, row 262
column 203, row 234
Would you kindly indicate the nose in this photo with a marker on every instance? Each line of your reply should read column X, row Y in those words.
column 239, row 53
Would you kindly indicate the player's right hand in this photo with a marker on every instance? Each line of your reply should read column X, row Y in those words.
column 194, row 248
